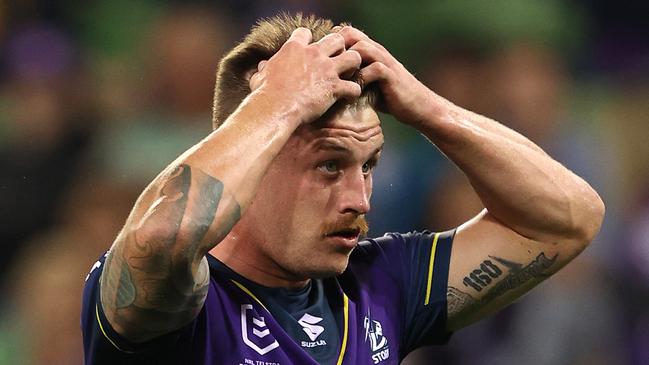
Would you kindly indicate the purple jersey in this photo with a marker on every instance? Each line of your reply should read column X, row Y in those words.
column 389, row 301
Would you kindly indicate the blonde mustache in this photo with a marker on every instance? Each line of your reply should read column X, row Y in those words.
column 346, row 222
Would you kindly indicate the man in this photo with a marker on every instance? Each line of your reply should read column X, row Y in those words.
column 245, row 250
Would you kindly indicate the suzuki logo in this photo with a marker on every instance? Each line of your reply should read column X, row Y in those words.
column 259, row 330
column 310, row 327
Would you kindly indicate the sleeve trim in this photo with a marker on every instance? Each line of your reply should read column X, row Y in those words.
column 101, row 327
column 431, row 265
column 343, row 345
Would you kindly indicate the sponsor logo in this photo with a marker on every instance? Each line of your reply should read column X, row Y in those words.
column 310, row 326
column 256, row 337
column 374, row 335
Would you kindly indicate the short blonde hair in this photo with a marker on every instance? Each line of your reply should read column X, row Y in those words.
column 263, row 41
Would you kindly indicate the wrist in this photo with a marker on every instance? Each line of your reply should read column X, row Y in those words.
column 271, row 107
column 435, row 113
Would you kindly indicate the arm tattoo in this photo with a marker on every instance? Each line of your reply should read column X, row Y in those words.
column 460, row 302
column 482, row 276
column 156, row 277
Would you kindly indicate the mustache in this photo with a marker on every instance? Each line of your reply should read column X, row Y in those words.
column 346, row 222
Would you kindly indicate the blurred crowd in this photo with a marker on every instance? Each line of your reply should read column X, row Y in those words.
column 97, row 97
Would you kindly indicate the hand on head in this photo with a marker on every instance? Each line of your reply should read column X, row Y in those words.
column 316, row 75
column 312, row 75
column 404, row 96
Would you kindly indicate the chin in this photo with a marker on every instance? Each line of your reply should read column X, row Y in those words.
column 327, row 271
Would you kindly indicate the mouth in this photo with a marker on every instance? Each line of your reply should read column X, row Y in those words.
column 344, row 239
column 347, row 233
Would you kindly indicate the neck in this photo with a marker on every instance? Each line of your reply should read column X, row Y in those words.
column 243, row 256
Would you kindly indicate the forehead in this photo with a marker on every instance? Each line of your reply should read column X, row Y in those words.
column 355, row 129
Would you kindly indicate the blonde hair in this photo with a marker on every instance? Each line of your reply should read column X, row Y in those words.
column 263, row 41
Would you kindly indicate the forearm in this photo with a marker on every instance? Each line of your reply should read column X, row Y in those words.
column 155, row 278
column 518, row 183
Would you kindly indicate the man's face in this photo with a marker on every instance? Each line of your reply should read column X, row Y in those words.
column 307, row 215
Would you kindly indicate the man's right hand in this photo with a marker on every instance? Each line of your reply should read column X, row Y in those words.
column 309, row 75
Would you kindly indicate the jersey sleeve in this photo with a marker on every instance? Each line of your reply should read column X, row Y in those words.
column 423, row 270
column 103, row 345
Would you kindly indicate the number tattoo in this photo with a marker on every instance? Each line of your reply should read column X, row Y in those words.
column 460, row 302
column 479, row 278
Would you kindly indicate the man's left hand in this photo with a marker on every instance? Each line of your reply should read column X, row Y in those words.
column 404, row 96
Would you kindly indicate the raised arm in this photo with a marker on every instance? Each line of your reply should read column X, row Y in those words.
column 538, row 214
column 156, row 276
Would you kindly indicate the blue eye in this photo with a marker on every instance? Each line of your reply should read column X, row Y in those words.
column 329, row 166
column 369, row 166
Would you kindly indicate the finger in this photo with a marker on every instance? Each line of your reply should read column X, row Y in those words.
column 331, row 44
column 255, row 81
column 376, row 71
column 347, row 61
column 261, row 65
column 369, row 52
column 336, row 29
column 301, row 35
column 347, row 90
column 353, row 36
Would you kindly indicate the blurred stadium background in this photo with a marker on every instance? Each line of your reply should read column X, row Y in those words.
column 96, row 97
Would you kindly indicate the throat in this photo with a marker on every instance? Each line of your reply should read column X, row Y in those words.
column 255, row 266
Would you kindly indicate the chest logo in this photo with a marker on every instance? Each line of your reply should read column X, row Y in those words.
column 310, row 326
column 256, row 337
column 377, row 341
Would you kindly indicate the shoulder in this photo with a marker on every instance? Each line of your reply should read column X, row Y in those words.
column 395, row 242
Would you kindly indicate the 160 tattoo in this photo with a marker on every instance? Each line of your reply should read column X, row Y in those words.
column 482, row 276
column 517, row 276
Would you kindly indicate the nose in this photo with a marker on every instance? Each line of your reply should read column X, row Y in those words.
column 354, row 195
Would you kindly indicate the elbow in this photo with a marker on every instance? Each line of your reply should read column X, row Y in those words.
column 591, row 218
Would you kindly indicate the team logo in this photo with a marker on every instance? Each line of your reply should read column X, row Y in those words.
column 256, row 338
column 374, row 335
column 310, row 326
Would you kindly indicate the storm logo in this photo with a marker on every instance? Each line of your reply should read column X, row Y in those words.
column 378, row 342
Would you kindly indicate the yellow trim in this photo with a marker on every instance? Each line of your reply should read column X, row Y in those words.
column 430, row 269
column 247, row 291
column 343, row 347
column 101, row 327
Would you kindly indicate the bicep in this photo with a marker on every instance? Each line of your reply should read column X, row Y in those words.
column 492, row 265
column 156, row 275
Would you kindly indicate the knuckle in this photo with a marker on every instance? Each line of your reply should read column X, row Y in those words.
column 336, row 37
column 380, row 67
column 345, row 29
column 350, row 29
column 302, row 30
column 363, row 44
column 356, row 56
column 313, row 51
column 291, row 44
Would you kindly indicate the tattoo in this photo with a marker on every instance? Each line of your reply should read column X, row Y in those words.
column 482, row 276
column 519, row 275
column 460, row 302
column 126, row 293
column 156, row 277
